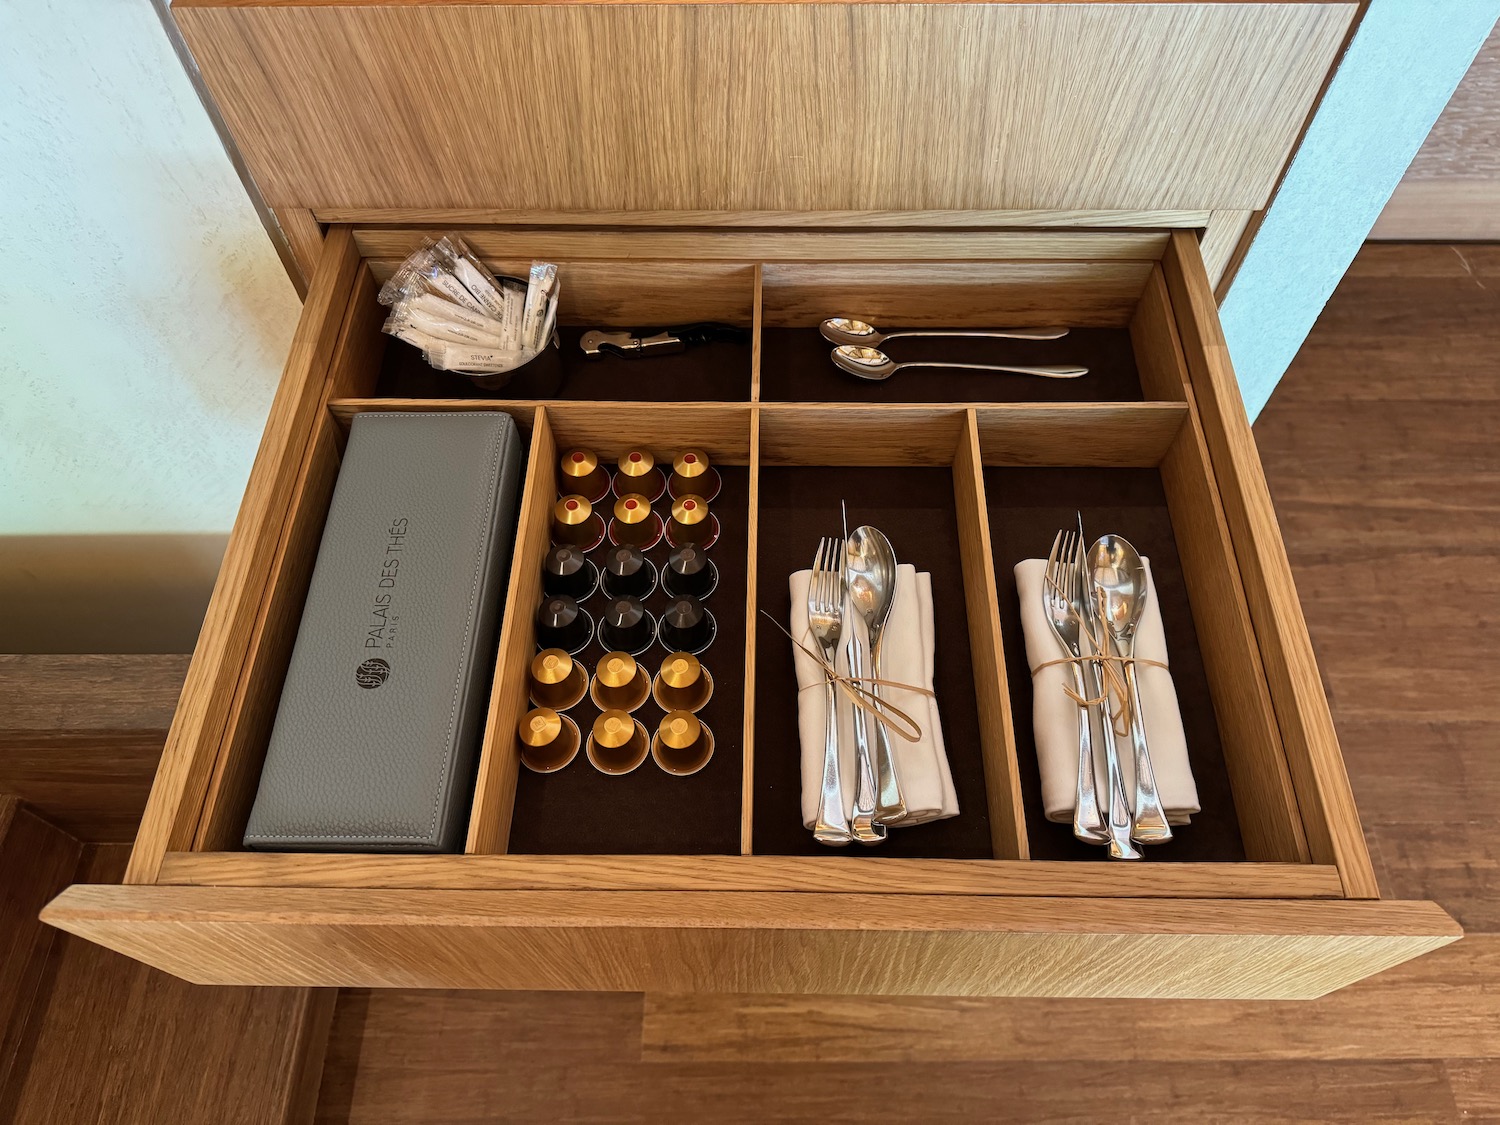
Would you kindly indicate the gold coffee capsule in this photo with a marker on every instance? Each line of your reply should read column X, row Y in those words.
column 556, row 680
column 580, row 474
column 639, row 476
column 683, row 745
column 634, row 525
column 617, row 743
column 620, row 683
column 692, row 523
column 548, row 741
column 682, row 684
column 575, row 521
column 693, row 475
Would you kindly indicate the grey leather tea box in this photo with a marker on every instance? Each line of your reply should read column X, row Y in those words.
column 378, row 727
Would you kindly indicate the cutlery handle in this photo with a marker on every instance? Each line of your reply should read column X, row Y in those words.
column 989, row 334
column 1120, row 846
column 866, row 830
column 889, row 804
column 1088, row 822
column 1050, row 371
column 832, row 825
column 1151, row 825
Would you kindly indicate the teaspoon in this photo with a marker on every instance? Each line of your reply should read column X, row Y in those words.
column 869, row 363
column 1119, row 580
column 845, row 330
column 870, row 564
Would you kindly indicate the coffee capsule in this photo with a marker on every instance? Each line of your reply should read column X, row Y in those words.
column 692, row 524
column 617, row 743
column 556, row 680
column 626, row 626
column 580, row 474
column 683, row 744
column 638, row 475
column 620, row 683
column 562, row 623
column 682, row 684
column 692, row 475
column 634, row 523
column 628, row 573
column 686, row 626
column 566, row 570
column 689, row 573
column 575, row 521
column 548, row 741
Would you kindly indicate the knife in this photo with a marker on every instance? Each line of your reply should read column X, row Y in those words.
column 639, row 343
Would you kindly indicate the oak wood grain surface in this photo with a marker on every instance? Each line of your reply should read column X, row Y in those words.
column 1379, row 438
column 81, row 735
column 1196, row 104
column 114, row 1042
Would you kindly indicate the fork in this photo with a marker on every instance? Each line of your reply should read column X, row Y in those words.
column 825, row 616
column 1060, row 592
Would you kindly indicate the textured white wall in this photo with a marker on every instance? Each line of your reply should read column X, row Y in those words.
column 144, row 315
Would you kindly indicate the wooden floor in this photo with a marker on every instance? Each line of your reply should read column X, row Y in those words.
column 1383, row 450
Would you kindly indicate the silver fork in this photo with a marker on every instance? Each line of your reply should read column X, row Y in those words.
column 1060, row 591
column 825, row 616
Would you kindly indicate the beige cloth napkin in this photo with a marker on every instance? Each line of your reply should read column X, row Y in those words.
column 1054, row 715
column 907, row 656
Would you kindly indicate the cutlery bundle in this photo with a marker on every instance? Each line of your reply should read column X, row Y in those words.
column 1093, row 601
column 872, row 744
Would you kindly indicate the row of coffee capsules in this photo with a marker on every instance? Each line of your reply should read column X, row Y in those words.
column 625, row 626
column 577, row 521
column 628, row 573
column 617, row 742
column 637, row 474
column 620, row 682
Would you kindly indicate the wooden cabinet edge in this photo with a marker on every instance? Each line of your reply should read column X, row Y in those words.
column 752, row 942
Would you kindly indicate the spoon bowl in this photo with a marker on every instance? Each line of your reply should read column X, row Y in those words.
column 847, row 330
column 870, row 573
column 874, row 365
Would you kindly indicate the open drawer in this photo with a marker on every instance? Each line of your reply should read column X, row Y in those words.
column 710, row 882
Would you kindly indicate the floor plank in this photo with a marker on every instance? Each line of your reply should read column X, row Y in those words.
column 123, row 1044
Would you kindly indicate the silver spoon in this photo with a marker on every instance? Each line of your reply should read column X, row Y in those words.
column 875, row 365
column 845, row 330
column 870, row 563
column 1119, row 579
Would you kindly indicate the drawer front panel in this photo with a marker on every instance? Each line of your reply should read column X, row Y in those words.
column 950, row 106
column 716, row 942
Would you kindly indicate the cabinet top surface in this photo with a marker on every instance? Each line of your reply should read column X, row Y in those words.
column 766, row 108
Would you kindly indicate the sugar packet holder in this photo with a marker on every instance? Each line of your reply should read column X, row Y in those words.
column 464, row 319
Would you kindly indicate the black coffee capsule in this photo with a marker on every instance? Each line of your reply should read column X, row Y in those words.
column 628, row 573
column 562, row 623
column 626, row 626
column 686, row 626
column 567, row 571
column 689, row 573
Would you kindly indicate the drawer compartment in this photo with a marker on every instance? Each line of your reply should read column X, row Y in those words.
column 577, row 880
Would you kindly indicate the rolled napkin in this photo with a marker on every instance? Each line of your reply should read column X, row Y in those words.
column 907, row 653
column 1054, row 714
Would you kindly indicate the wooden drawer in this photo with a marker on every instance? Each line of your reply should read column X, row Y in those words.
column 1271, row 894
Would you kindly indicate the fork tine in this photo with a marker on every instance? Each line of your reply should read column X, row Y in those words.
column 824, row 550
column 814, row 583
column 1067, row 562
column 1052, row 558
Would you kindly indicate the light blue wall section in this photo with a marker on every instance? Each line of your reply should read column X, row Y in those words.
column 1400, row 70
column 144, row 315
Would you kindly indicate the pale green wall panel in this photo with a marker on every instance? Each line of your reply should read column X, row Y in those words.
column 144, row 315
column 1402, row 66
